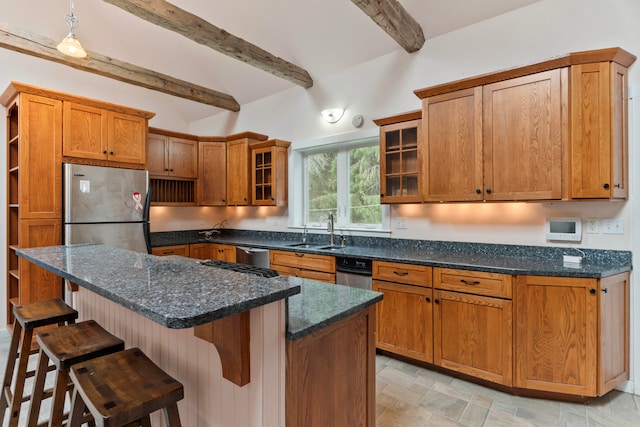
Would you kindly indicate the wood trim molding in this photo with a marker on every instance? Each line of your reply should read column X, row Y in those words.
column 193, row 27
column 22, row 41
column 614, row 54
column 399, row 118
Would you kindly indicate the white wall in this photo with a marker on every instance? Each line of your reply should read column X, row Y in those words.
column 384, row 87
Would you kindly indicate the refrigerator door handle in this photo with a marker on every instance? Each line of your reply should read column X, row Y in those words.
column 147, row 206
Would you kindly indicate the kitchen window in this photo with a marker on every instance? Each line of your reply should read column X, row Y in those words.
column 344, row 179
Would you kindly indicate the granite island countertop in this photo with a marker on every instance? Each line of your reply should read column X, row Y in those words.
column 493, row 258
column 178, row 292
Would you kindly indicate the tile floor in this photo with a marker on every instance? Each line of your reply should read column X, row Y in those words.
column 410, row 396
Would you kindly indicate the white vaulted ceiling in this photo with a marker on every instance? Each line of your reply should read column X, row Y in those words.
column 322, row 37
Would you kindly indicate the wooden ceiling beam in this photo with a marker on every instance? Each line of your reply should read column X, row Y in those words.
column 45, row 48
column 166, row 15
column 395, row 21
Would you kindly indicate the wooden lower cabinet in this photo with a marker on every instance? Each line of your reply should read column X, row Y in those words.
column 572, row 334
column 180, row 250
column 305, row 265
column 472, row 334
column 222, row 252
column 36, row 283
column 200, row 250
column 341, row 358
column 405, row 320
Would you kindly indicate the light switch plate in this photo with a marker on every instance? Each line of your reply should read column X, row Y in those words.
column 612, row 226
column 401, row 222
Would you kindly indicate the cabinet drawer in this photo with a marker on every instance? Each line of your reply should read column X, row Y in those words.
column 474, row 282
column 305, row 274
column 418, row 275
column 305, row 261
column 181, row 250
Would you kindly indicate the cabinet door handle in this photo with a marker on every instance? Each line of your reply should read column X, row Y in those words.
column 299, row 254
column 592, row 291
column 169, row 252
column 111, row 152
column 478, row 191
column 606, row 186
column 437, row 301
column 488, row 191
column 427, row 299
column 104, row 152
column 469, row 282
column 605, row 290
column 400, row 273
column 381, row 195
column 618, row 185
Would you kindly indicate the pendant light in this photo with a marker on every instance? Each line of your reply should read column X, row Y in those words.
column 70, row 45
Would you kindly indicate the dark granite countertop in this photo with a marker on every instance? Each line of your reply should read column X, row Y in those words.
column 177, row 292
column 506, row 259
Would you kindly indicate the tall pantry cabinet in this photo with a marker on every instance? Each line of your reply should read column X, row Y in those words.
column 34, row 196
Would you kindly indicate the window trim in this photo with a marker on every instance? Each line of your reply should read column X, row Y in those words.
column 297, row 179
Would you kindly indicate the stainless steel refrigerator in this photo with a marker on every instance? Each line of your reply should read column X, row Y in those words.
column 108, row 206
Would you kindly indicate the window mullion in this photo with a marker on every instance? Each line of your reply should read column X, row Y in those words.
column 343, row 188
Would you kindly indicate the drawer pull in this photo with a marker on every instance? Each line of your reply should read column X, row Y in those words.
column 400, row 273
column 299, row 254
column 469, row 282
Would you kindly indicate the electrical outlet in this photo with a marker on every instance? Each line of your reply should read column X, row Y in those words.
column 401, row 222
column 592, row 225
column 612, row 226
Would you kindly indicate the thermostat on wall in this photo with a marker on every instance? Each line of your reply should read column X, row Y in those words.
column 563, row 229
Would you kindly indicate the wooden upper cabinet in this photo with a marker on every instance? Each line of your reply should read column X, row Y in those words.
column 85, row 131
column 126, row 141
column 400, row 139
column 599, row 162
column 523, row 137
column 452, row 150
column 172, row 155
column 269, row 161
column 96, row 133
column 238, row 181
column 212, row 173
column 39, row 174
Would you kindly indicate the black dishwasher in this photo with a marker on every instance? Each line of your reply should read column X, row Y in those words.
column 354, row 272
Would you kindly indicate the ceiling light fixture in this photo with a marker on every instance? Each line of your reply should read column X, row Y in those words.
column 70, row 45
column 332, row 115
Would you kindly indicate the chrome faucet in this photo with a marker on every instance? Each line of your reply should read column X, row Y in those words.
column 304, row 234
column 330, row 229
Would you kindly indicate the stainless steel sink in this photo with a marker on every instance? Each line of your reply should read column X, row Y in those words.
column 302, row 245
column 331, row 248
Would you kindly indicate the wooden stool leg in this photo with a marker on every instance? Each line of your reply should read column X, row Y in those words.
column 57, row 402
column 38, row 389
column 11, row 365
column 77, row 410
column 171, row 416
column 23, row 360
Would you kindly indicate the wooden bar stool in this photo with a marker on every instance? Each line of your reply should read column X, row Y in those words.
column 27, row 318
column 123, row 388
column 66, row 346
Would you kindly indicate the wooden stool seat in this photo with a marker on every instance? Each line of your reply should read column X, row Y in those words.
column 122, row 388
column 26, row 318
column 64, row 347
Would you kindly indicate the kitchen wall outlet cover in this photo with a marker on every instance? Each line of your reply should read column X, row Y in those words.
column 592, row 226
column 612, row 226
column 401, row 222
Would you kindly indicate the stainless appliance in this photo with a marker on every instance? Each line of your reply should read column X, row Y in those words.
column 109, row 206
column 354, row 272
column 252, row 256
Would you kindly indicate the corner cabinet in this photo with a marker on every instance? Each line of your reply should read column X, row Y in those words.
column 269, row 177
column 554, row 130
column 400, row 138
column 572, row 334
column 34, row 197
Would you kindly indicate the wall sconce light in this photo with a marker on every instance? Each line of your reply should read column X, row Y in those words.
column 332, row 115
column 71, row 46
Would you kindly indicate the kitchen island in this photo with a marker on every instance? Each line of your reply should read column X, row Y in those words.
column 174, row 309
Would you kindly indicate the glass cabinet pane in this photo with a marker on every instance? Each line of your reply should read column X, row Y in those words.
column 393, row 140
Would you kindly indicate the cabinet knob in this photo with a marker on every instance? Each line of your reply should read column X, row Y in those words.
column 592, row 291
column 478, row 191
column 606, row 186
column 104, row 152
column 618, row 185
column 245, row 199
column 488, row 191
column 166, row 169
column 427, row 299
column 437, row 301
column 111, row 152
column 605, row 290
column 381, row 195
column 170, row 170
